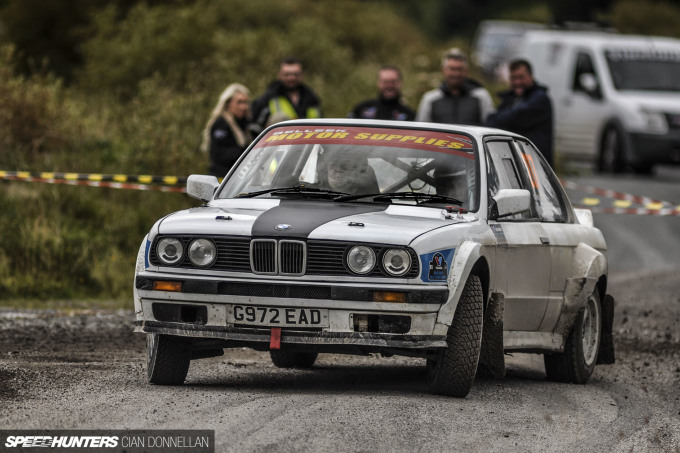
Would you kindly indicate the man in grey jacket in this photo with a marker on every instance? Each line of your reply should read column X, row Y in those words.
column 459, row 99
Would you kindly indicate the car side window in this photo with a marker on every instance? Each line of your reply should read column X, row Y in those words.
column 503, row 172
column 551, row 203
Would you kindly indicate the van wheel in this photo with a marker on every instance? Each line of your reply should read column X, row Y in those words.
column 167, row 359
column 612, row 158
column 452, row 371
column 284, row 359
column 577, row 362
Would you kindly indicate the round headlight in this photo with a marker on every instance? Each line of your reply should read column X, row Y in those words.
column 397, row 262
column 170, row 251
column 202, row 252
column 361, row 259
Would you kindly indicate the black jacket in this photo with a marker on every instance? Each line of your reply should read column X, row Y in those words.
column 309, row 101
column 471, row 106
column 383, row 109
column 530, row 115
column 224, row 151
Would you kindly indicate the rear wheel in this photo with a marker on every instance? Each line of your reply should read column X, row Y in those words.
column 167, row 359
column 452, row 372
column 286, row 359
column 577, row 362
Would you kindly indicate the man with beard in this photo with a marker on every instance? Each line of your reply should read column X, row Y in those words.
column 287, row 97
column 388, row 105
column 459, row 99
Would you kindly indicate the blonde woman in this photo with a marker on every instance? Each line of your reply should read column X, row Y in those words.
column 228, row 131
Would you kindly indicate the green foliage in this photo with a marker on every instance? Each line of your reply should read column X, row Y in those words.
column 30, row 120
column 658, row 18
column 151, row 75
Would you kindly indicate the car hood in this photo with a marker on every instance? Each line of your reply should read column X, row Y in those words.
column 309, row 219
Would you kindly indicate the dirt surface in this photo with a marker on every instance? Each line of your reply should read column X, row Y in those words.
column 87, row 370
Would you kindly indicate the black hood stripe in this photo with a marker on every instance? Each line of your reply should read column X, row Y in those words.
column 304, row 216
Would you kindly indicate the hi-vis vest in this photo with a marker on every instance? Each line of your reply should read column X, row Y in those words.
column 280, row 104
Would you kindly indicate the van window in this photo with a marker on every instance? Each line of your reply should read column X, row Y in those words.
column 584, row 65
column 644, row 70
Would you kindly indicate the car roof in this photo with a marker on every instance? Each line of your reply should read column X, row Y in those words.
column 475, row 131
column 600, row 39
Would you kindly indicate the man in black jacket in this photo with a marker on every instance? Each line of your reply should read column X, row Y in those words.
column 287, row 97
column 526, row 109
column 388, row 105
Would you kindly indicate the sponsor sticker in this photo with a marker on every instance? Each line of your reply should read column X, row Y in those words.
column 435, row 265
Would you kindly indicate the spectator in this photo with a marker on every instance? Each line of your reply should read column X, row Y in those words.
column 388, row 105
column 228, row 132
column 287, row 95
column 526, row 109
column 459, row 99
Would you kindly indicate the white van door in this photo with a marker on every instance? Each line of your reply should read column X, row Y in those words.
column 582, row 110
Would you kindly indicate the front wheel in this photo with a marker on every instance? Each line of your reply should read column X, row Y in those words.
column 577, row 362
column 167, row 359
column 612, row 158
column 452, row 372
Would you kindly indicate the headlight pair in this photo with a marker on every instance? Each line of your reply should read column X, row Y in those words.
column 361, row 260
column 202, row 252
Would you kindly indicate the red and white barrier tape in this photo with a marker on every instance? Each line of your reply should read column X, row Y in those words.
column 172, row 184
column 612, row 194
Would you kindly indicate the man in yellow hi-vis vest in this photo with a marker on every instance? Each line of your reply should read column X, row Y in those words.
column 287, row 97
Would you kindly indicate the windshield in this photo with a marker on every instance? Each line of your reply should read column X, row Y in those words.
column 347, row 161
column 644, row 70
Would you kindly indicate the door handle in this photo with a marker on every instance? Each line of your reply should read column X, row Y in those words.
column 545, row 240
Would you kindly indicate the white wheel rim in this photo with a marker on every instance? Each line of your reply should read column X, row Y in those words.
column 591, row 331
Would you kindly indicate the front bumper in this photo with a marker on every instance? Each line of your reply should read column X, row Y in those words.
column 259, row 338
column 656, row 149
column 201, row 308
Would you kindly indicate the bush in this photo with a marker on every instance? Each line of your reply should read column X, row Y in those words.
column 30, row 119
column 138, row 106
column 655, row 18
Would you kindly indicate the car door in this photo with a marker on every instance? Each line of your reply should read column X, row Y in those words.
column 523, row 261
column 561, row 231
column 581, row 110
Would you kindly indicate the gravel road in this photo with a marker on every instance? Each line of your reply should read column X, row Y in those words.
column 87, row 370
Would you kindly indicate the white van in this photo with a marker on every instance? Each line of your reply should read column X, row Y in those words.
column 616, row 98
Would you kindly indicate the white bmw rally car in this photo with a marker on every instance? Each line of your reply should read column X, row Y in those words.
column 455, row 244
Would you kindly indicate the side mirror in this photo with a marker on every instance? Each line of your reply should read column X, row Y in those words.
column 202, row 187
column 588, row 82
column 584, row 217
column 512, row 201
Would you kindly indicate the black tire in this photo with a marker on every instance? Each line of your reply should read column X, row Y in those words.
column 577, row 362
column 612, row 157
column 286, row 359
column 168, row 359
column 452, row 373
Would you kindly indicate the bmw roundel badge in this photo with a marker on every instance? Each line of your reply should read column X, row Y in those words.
column 283, row 227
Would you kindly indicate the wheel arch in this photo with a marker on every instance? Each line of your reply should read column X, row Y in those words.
column 469, row 259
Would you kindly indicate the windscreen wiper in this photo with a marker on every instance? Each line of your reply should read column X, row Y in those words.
column 293, row 189
column 401, row 195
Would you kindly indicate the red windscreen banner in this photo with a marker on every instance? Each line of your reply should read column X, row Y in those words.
column 442, row 142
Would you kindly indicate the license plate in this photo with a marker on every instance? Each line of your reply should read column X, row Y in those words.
column 277, row 316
